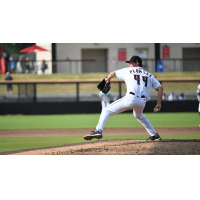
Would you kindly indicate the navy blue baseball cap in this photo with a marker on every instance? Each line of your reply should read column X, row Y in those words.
column 135, row 59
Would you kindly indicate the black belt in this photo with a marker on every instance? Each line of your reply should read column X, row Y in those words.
column 134, row 94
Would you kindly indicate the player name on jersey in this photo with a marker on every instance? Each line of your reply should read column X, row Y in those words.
column 140, row 70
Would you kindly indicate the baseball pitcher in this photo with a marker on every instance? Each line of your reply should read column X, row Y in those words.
column 198, row 96
column 138, row 83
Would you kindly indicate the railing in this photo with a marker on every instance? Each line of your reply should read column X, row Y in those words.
column 173, row 64
column 34, row 66
column 74, row 66
column 31, row 85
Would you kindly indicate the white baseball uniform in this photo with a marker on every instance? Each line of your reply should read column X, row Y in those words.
column 105, row 99
column 138, row 83
column 198, row 96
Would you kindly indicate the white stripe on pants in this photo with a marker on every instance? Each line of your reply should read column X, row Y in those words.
column 127, row 103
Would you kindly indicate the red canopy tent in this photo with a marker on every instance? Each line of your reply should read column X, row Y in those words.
column 33, row 48
column 2, row 61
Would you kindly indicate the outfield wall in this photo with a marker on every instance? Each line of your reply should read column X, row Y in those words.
column 29, row 108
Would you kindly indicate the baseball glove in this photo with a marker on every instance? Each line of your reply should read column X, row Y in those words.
column 104, row 86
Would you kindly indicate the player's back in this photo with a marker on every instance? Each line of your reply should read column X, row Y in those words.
column 138, row 80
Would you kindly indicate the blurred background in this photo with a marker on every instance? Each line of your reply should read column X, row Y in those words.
column 100, row 57
column 54, row 73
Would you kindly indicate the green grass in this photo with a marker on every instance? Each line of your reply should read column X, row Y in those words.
column 13, row 144
column 77, row 121
column 96, row 76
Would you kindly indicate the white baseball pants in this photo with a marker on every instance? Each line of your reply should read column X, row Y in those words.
column 128, row 102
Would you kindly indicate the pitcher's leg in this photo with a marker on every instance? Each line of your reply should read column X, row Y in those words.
column 103, row 119
column 114, row 108
column 138, row 113
column 146, row 123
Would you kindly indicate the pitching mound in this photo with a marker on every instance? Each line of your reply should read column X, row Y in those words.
column 122, row 147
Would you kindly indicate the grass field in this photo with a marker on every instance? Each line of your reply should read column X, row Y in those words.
column 87, row 121
column 13, row 144
column 95, row 76
column 77, row 121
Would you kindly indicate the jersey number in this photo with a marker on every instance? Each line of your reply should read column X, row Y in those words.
column 137, row 78
column 144, row 78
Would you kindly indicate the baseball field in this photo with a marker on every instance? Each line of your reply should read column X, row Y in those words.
column 122, row 135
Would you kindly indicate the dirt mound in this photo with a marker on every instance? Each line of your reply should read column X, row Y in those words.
column 121, row 147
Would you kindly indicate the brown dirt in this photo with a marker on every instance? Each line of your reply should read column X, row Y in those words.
column 111, row 147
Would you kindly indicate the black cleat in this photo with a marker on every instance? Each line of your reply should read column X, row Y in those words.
column 155, row 137
column 94, row 134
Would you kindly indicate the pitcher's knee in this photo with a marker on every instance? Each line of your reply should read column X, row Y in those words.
column 107, row 112
column 137, row 116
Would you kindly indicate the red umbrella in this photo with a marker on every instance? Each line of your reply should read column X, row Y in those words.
column 32, row 48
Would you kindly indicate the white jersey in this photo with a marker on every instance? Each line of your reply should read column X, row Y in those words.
column 138, row 80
